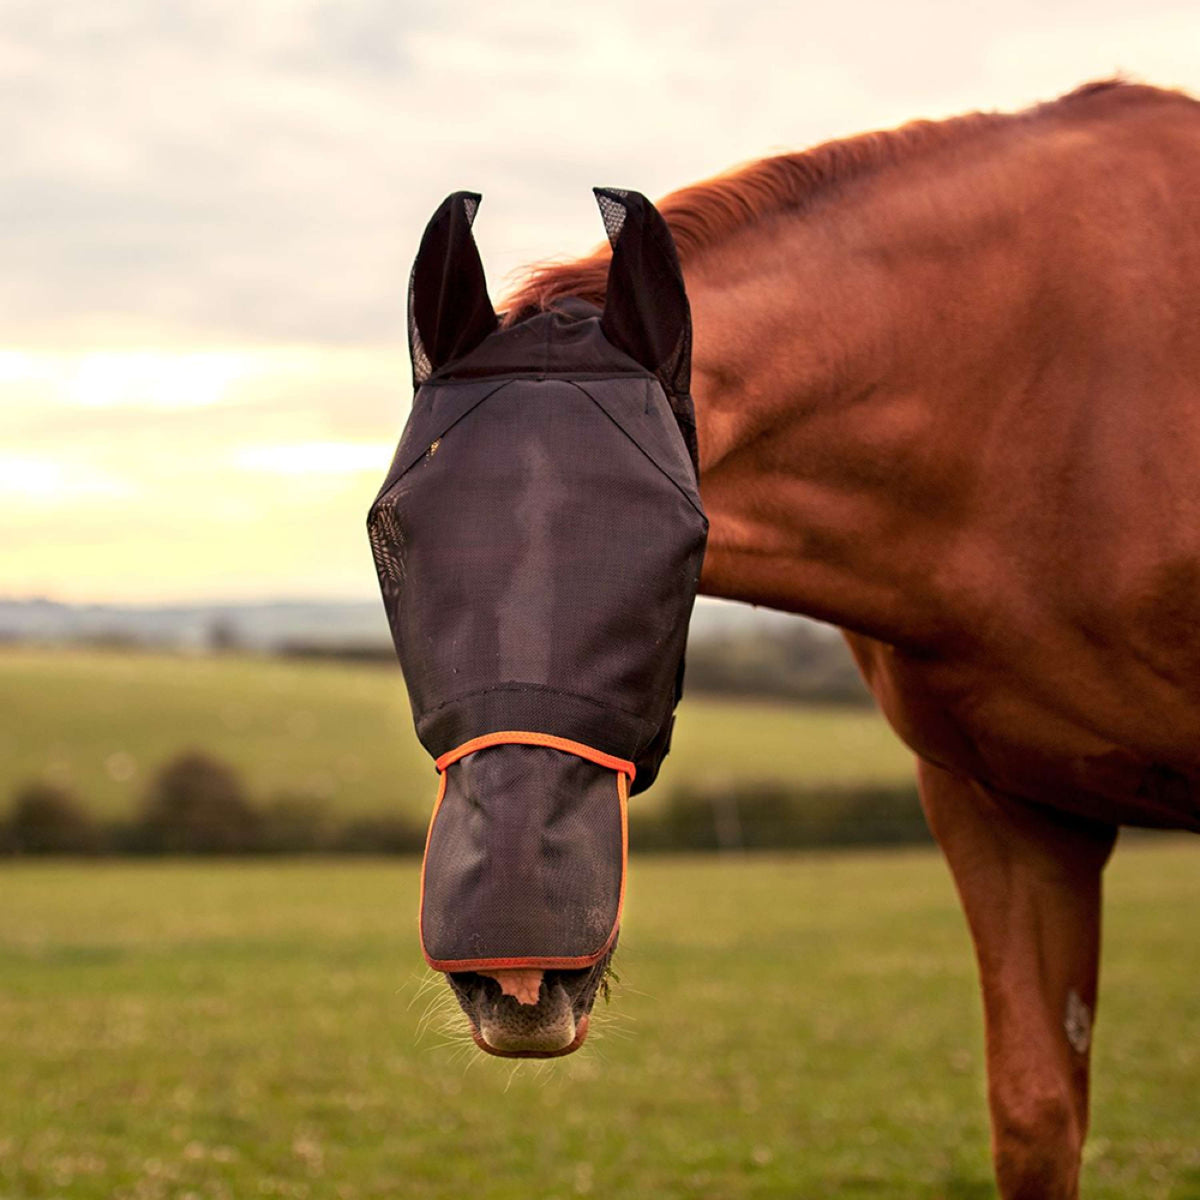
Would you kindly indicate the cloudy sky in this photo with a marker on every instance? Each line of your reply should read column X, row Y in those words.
column 208, row 209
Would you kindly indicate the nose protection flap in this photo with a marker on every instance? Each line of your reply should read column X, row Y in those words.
column 525, row 863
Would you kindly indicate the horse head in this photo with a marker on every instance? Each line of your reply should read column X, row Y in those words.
column 538, row 541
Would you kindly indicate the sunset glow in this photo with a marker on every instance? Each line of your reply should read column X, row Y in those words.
column 210, row 222
column 155, row 475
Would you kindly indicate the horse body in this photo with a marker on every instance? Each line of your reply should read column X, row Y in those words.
column 956, row 412
column 948, row 393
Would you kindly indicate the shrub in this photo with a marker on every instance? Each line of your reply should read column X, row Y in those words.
column 382, row 835
column 296, row 824
column 46, row 819
column 772, row 815
column 197, row 805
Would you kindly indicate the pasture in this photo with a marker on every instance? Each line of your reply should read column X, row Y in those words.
column 102, row 722
column 799, row 1026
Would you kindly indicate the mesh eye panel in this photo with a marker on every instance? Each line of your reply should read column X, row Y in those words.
column 539, row 568
column 387, row 548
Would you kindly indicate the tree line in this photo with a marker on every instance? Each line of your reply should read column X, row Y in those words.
column 198, row 805
column 799, row 662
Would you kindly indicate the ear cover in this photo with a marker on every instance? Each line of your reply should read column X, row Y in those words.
column 449, row 312
column 646, row 312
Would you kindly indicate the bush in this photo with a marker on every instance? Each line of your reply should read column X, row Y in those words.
column 46, row 819
column 771, row 815
column 382, row 835
column 801, row 661
column 197, row 805
column 296, row 824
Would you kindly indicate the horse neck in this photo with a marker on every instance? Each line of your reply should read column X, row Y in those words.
column 839, row 358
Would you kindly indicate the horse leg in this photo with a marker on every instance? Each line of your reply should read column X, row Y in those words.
column 1029, row 879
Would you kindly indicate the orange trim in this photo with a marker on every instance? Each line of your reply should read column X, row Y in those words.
column 520, row 737
column 546, row 963
column 441, row 795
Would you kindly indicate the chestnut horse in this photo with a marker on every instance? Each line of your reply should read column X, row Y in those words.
column 948, row 389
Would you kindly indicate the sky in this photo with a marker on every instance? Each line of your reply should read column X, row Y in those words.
column 209, row 209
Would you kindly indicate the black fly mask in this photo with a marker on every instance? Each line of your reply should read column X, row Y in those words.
column 538, row 541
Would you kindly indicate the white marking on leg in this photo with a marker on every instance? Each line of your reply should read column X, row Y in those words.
column 1078, row 1023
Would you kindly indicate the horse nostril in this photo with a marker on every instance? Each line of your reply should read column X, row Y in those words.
column 472, row 991
column 581, row 986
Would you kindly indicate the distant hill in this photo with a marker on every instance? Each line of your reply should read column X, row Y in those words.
column 734, row 649
column 267, row 625
column 261, row 626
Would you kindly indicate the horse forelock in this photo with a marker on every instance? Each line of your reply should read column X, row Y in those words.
column 704, row 214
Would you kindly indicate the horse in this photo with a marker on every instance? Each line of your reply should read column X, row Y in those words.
column 947, row 394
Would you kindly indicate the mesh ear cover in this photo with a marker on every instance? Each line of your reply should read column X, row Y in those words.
column 646, row 311
column 449, row 312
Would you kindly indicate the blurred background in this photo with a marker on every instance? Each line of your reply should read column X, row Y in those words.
column 208, row 212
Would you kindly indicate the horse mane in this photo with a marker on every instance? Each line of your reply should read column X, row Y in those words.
column 706, row 213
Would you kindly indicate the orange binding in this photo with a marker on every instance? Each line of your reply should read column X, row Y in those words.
column 522, row 737
column 624, row 771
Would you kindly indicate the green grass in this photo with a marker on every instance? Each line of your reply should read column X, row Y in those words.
column 102, row 722
column 800, row 1026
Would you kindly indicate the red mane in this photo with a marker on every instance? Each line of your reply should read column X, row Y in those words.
column 705, row 213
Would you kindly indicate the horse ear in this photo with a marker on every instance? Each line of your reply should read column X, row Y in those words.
column 449, row 312
column 646, row 311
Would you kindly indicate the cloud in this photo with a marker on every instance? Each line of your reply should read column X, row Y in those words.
column 122, row 484
column 209, row 209
column 116, row 395
column 260, row 171
column 316, row 458
column 36, row 479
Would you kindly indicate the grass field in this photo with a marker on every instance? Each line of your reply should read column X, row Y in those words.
column 785, row 1027
column 102, row 722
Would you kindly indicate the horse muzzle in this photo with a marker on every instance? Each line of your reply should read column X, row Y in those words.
column 549, row 1021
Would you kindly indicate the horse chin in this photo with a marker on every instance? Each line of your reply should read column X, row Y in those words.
column 580, row 1034
column 508, row 1024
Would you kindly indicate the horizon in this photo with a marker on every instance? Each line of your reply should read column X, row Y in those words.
column 280, row 601
column 706, row 604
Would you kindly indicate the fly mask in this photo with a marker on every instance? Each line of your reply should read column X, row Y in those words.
column 538, row 542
